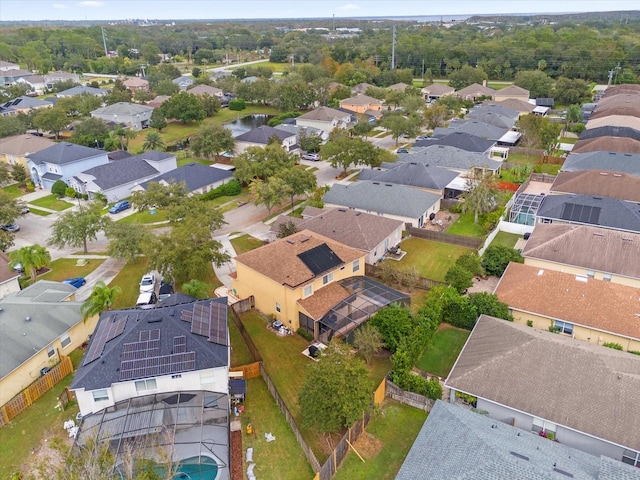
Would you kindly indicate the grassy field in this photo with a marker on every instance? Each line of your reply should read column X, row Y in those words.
column 52, row 202
column 281, row 459
column 506, row 239
column 28, row 430
column 187, row 160
column 245, row 243
column 464, row 226
column 13, row 191
column 41, row 213
column 145, row 217
column 66, row 268
column 441, row 354
column 385, row 443
column 431, row 259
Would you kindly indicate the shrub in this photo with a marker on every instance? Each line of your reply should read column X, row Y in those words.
column 456, row 208
column 459, row 312
column 394, row 324
column 578, row 128
column 304, row 334
column 459, row 278
column 70, row 192
column 529, row 323
column 230, row 189
column 635, row 352
column 418, row 384
column 470, row 261
column 59, row 188
column 615, row 346
column 85, row 196
column 30, row 187
column 488, row 304
column 237, row 104
column 497, row 257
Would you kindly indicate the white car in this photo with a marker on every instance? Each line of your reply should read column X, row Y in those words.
column 148, row 283
column 314, row 157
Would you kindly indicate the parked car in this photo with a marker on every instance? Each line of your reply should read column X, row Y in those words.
column 402, row 150
column 24, row 210
column 314, row 157
column 18, row 267
column 120, row 206
column 148, row 283
column 10, row 227
column 165, row 291
column 75, row 281
column 146, row 300
column 420, row 138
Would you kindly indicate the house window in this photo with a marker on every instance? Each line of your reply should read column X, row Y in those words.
column 540, row 425
column 591, row 273
column 207, row 377
column 606, row 277
column 547, row 220
column 308, row 291
column 100, row 395
column 65, row 340
column 147, row 384
column 631, row 458
column 51, row 352
column 356, row 266
column 278, row 307
column 564, row 327
column 327, row 278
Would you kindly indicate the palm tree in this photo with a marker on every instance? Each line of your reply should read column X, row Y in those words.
column 153, row 141
column 121, row 135
column 32, row 258
column 101, row 299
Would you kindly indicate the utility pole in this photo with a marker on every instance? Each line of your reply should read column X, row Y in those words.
column 293, row 60
column 104, row 42
column 334, row 22
column 393, row 49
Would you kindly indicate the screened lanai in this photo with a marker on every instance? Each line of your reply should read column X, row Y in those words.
column 524, row 208
column 189, row 429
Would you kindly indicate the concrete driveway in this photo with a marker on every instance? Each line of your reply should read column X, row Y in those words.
column 106, row 272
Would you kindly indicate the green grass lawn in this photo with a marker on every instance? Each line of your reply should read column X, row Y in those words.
column 246, row 243
column 29, row 429
column 524, row 159
column 41, row 213
column 145, row 217
column 239, row 352
column 550, row 168
column 129, row 281
column 187, row 160
column 66, row 268
column 395, row 427
column 52, row 202
column 464, row 226
column 439, row 357
column 13, row 191
column 431, row 259
column 506, row 239
column 281, row 459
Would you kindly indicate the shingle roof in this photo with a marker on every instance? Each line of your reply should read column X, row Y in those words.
column 6, row 272
column 610, row 131
column 79, row 90
column 324, row 114
column 489, row 114
column 512, row 90
column 382, row 197
column 615, row 161
column 457, row 443
column 23, row 144
column 126, row 170
column 360, row 100
column 575, row 299
column 323, row 300
column 64, row 152
column 603, row 183
column 194, row 175
column 438, row 89
column 614, row 120
column 280, row 262
column 446, row 156
column 25, row 102
column 607, row 110
column 461, row 140
column 170, row 322
column 475, row 89
column 122, row 108
column 515, row 104
column 591, row 210
column 412, row 174
column 476, row 128
column 607, row 144
column 205, row 90
column 591, row 248
column 354, row 229
column 262, row 134
column 513, row 365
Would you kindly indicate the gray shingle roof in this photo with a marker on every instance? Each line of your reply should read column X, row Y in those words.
column 122, row 108
column 412, row 174
column 64, row 152
column 382, row 197
column 449, row 157
column 125, row 170
column 590, row 210
column 616, row 161
column 104, row 371
column 456, row 443
column 25, row 102
column 512, row 364
column 495, row 109
column 461, row 140
column 194, row 175
column 473, row 127
column 262, row 134
column 79, row 90
column 610, row 131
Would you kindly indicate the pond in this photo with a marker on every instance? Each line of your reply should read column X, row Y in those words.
column 245, row 124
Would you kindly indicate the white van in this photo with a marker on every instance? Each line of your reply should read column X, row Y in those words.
column 146, row 300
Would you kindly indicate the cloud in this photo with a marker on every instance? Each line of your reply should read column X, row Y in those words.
column 349, row 6
column 91, row 3
column 59, row 6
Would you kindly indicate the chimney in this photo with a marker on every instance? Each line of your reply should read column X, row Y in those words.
column 484, row 83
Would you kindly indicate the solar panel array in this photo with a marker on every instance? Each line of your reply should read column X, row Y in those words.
column 108, row 329
column 155, row 366
column 139, row 350
column 186, row 315
column 201, row 320
column 218, row 323
column 574, row 212
column 179, row 344
column 320, row 259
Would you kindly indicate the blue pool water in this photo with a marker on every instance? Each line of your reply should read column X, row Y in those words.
column 190, row 469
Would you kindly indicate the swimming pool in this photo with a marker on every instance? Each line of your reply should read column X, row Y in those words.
column 197, row 468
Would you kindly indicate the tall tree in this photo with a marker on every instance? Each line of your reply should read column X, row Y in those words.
column 51, row 120
column 153, row 141
column 185, row 107
column 368, row 340
column 195, row 288
column 211, row 140
column 268, row 193
column 159, row 195
column 299, row 181
column 9, row 211
column 32, row 259
column 341, row 150
column 480, row 197
column 126, row 242
column 102, row 298
column 466, row 76
column 262, row 163
column 77, row 227
column 157, row 120
column 119, row 138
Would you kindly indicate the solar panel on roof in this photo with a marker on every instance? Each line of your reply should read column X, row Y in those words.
column 108, row 329
column 580, row 213
column 180, row 344
column 186, row 315
column 218, row 323
column 320, row 259
column 200, row 322
column 159, row 365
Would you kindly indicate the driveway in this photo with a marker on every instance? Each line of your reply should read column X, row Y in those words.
column 106, row 272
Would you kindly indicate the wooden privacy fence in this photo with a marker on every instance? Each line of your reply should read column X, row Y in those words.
column 420, row 282
column 252, row 370
column 253, row 350
column 65, row 397
column 24, row 399
column 408, row 398
column 443, row 237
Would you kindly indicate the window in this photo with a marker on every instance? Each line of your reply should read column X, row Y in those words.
column 540, row 425
column 147, row 384
column 65, row 340
column 327, row 278
column 591, row 273
column 606, row 277
column 100, row 395
column 51, row 352
column 207, row 377
column 278, row 307
column 547, row 220
column 564, row 327
column 356, row 266
column 308, row 291
column 631, row 458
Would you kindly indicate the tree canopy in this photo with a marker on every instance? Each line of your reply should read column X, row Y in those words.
column 77, row 227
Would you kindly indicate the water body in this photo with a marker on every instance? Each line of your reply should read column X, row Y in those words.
column 245, row 124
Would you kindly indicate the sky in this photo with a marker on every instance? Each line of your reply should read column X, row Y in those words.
column 249, row 9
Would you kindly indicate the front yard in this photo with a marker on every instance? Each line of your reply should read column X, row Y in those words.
column 52, row 202
column 64, row 268
column 245, row 243
column 443, row 350
column 431, row 259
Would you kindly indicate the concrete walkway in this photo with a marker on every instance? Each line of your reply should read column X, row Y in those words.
column 106, row 272
column 223, row 272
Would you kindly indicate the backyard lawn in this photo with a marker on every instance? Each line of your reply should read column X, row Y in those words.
column 506, row 239
column 240, row 354
column 245, row 243
column 431, row 259
column 441, row 354
column 465, row 227
column 385, row 444
column 281, row 459
column 13, row 191
column 52, row 202
column 187, row 160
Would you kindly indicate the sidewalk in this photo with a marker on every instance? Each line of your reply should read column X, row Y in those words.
column 223, row 272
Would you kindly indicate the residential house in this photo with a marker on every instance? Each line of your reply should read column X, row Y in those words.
column 206, row 90
column 363, row 104
column 607, row 144
column 325, row 119
column 501, row 135
column 398, row 86
column 10, row 75
column 197, row 178
column 39, row 324
column 35, row 83
column 116, row 179
column 629, row 110
column 456, row 442
column 311, row 282
column 493, row 114
column 435, row 91
column 183, row 82
column 603, row 212
column 594, row 311
column 371, row 234
column 128, row 114
column 469, row 164
column 461, row 140
column 600, row 253
column 610, row 131
column 135, row 84
column 412, row 174
column 539, row 381
column 82, row 90
column 614, row 121
column 250, row 79
column 361, row 88
column 8, row 276
column 511, row 92
column 298, row 130
column 61, row 162
column 8, row 66
column 260, row 137
column 399, row 202
column 519, row 106
column 14, row 150
column 614, row 161
column 600, row 183
column 24, row 105
column 475, row 91
column 158, row 100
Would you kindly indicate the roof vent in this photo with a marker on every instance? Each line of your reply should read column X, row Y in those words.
column 304, row 239
column 617, row 175
column 154, row 320
column 357, row 214
column 376, row 183
column 562, row 472
column 604, row 173
column 581, row 278
column 388, row 185
column 27, row 319
column 292, row 242
column 519, row 455
column 540, row 272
